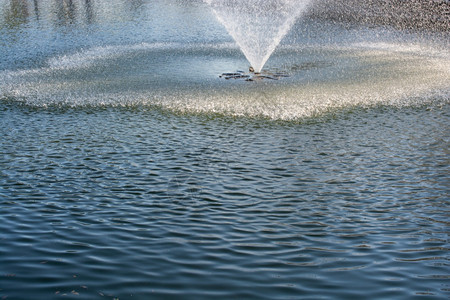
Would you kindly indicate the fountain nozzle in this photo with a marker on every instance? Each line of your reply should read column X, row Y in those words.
column 252, row 70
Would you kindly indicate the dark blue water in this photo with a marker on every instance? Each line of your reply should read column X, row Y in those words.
column 124, row 177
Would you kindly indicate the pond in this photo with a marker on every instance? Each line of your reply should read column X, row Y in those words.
column 130, row 170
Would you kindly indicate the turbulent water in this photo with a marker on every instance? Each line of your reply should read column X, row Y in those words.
column 130, row 170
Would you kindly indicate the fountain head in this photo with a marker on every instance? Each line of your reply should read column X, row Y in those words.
column 258, row 26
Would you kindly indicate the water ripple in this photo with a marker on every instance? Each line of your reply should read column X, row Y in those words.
column 160, row 206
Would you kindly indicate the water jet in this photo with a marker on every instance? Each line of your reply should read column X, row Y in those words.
column 127, row 167
column 258, row 26
column 332, row 67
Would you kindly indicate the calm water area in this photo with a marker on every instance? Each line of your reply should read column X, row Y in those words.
column 130, row 170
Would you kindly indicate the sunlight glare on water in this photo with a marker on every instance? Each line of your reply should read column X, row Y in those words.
column 173, row 76
column 129, row 169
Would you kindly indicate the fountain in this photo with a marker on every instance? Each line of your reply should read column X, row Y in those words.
column 173, row 62
column 128, row 169
column 258, row 26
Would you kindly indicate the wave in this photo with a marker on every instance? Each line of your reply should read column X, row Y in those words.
column 183, row 78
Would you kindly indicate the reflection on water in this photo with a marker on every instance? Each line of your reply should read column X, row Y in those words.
column 404, row 14
column 65, row 12
column 14, row 13
column 135, row 204
column 89, row 12
column 129, row 170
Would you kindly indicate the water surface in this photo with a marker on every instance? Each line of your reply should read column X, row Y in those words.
column 130, row 170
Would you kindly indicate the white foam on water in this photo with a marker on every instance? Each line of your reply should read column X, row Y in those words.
column 387, row 74
column 404, row 48
column 90, row 57
column 96, row 56
column 86, row 58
